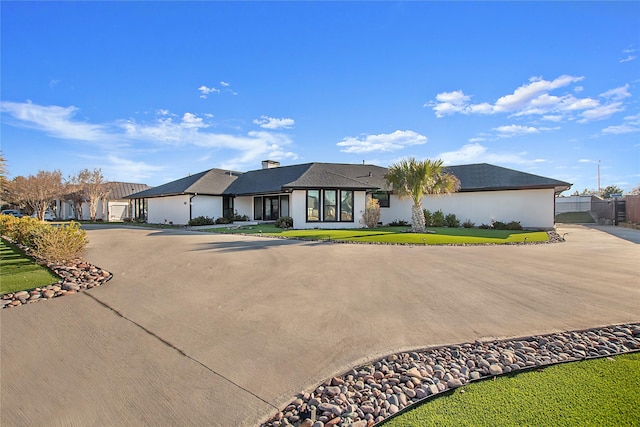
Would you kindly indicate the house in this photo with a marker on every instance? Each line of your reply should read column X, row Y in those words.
column 114, row 207
column 333, row 195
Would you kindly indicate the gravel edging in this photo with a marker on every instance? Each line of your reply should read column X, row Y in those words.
column 371, row 393
column 75, row 276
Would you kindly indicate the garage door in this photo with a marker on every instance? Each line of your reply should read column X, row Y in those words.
column 117, row 212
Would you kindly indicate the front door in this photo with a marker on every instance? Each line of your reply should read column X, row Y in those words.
column 271, row 208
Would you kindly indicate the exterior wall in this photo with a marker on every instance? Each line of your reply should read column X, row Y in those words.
column 209, row 206
column 298, row 210
column 532, row 208
column 173, row 209
column 244, row 206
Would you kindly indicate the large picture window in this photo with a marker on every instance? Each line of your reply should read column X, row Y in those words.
column 313, row 205
column 330, row 205
column 346, row 205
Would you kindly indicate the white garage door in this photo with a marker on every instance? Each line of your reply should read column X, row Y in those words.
column 117, row 212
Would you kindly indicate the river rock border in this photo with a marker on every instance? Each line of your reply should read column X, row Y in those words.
column 370, row 394
column 75, row 276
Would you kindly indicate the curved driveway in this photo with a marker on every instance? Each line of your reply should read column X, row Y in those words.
column 205, row 329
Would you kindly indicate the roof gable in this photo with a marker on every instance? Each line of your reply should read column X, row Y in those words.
column 120, row 190
column 209, row 182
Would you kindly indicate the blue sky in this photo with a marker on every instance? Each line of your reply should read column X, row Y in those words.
column 153, row 91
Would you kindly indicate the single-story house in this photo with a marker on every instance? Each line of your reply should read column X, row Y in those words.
column 334, row 195
column 115, row 207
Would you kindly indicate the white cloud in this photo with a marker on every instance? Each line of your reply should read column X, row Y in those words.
column 225, row 84
column 477, row 153
column 628, row 58
column 385, row 142
column 274, row 123
column 631, row 125
column 585, row 161
column 617, row 93
column 512, row 130
column 535, row 99
column 120, row 169
column 477, row 139
column 54, row 120
column 162, row 112
column 205, row 91
column 191, row 121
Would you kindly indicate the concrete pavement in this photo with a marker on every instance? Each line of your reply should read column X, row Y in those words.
column 204, row 329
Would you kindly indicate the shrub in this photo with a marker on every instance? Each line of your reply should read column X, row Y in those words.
column 468, row 224
column 284, row 222
column 438, row 219
column 514, row 225
column 22, row 230
column 398, row 223
column 62, row 243
column 452, row 221
column 484, row 226
column 201, row 220
column 428, row 218
column 237, row 217
column 371, row 216
column 499, row 225
column 223, row 220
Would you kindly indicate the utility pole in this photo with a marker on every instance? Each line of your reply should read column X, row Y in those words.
column 598, row 177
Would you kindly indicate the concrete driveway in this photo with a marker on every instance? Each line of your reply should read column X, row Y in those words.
column 204, row 329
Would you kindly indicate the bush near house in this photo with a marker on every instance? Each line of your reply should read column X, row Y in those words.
column 284, row 222
column 452, row 221
column 438, row 219
column 54, row 243
column 201, row 220
column 468, row 224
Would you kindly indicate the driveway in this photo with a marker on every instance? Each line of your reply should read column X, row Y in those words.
column 205, row 329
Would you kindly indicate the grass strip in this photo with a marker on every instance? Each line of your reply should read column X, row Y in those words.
column 600, row 392
column 19, row 272
column 396, row 235
column 575, row 218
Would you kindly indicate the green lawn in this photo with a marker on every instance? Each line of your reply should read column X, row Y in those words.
column 575, row 218
column 597, row 392
column 19, row 272
column 397, row 235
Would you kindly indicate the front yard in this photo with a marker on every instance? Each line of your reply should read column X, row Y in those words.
column 21, row 272
column 395, row 235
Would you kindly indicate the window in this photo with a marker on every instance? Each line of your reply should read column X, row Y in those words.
column 346, row 205
column 257, row 208
column 330, row 205
column 227, row 207
column 382, row 197
column 284, row 205
column 313, row 205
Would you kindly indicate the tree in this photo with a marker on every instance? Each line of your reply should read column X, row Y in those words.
column 37, row 192
column 76, row 191
column 96, row 189
column 635, row 191
column 609, row 190
column 4, row 182
column 416, row 178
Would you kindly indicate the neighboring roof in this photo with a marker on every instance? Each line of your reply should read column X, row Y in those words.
column 486, row 177
column 209, row 182
column 120, row 190
column 308, row 175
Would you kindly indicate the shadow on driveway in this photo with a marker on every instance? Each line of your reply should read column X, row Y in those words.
column 628, row 234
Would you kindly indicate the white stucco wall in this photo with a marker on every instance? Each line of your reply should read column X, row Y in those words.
column 209, row 206
column 244, row 206
column 532, row 208
column 171, row 208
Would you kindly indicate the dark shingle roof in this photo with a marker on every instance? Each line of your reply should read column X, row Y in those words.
column 308, row 175
column 210, row 182
column 120, row 190
column 486, row 177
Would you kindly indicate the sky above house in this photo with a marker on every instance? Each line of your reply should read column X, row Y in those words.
column 154, row 91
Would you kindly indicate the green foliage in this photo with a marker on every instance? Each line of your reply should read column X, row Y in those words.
column 398, row 223
column 609, row 190
column 484, row 226
column 371, row 215
column 468, row 224
column 452, row 221
column 438, row 219
column 514, row 225
column 61, row 243
column 19, row 272
column 428, row 218
column 201, row 220
column 223, row 220
column 21, row 230
column 601, row 392
column 284, row 222
column 499, row 225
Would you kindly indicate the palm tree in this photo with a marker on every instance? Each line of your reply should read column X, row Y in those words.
column 417, row 178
